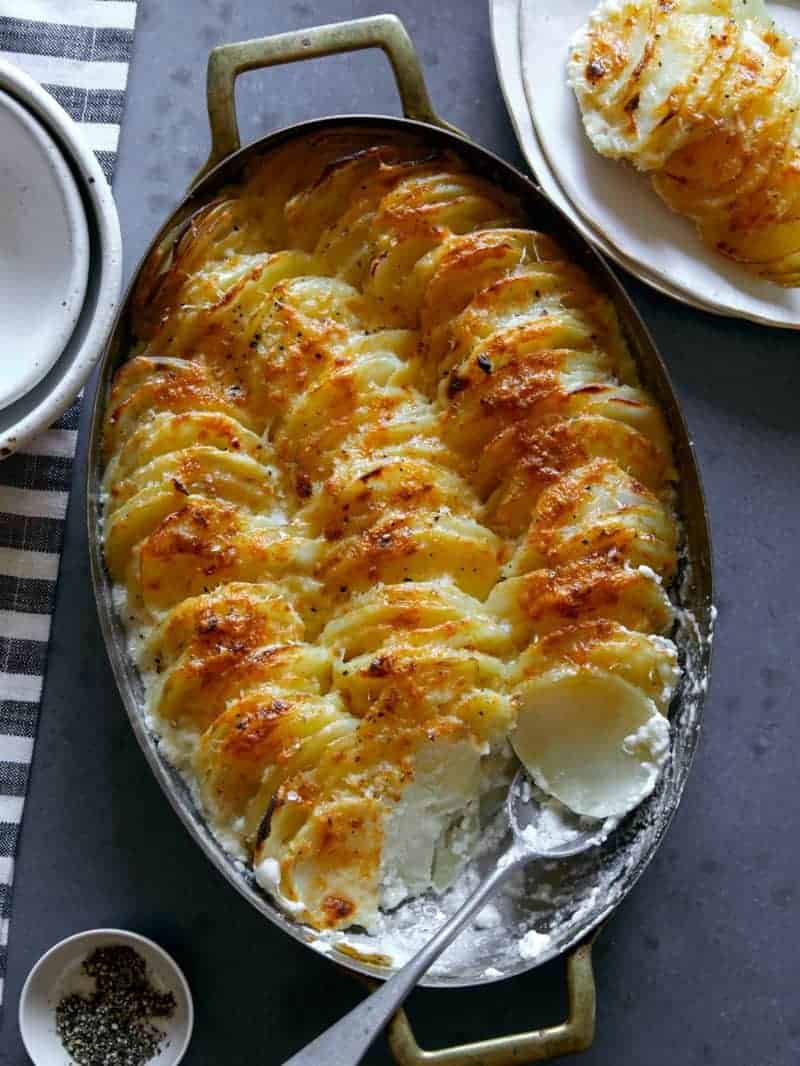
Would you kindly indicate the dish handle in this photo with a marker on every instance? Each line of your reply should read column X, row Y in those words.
column 228, row 61
column 573, row 1035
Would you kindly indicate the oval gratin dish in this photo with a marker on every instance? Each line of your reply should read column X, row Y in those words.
column 591, row 887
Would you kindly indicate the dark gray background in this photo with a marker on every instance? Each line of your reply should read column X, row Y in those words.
column 700, row 965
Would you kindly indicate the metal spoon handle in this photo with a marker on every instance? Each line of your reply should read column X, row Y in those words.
column 345, row 1042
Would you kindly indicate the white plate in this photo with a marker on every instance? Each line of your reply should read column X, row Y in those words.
column 506, row 41
column 42, row 404
column 44, row 251
column 616, row 201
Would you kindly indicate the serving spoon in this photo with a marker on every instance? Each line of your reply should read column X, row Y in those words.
column 347, row 1040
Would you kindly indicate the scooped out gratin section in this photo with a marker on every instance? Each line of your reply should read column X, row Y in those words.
column 383, row 493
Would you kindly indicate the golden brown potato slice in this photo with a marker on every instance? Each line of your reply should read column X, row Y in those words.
column 144, row 387
column 363, row 490
column 415, row 217
column 273, row 180
column 166, row 432
column 704, row 95
column 598, row 509
column 586, row 590
column 237, row 615
column 413, row 547
column 204, row 470
column 421, row 682
column 650, row 663
column 220, row 312
column 182, row 257
column 526, row 375
column 323, row 862
column 363, row 391
column 468, row 263
column 207, row 544
column 681, row 118
column 605, row 57
column 326, row 211
column 166, row 484
column 255, row 744
column 415, row 612
column 517, row 302
column 648, row 75
column 727, row 170
column 193, row 692
column 523, row 460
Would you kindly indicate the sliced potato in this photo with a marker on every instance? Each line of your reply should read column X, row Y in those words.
column 519, row 464
column 590, row 739
column 648, row 662
column 415, row 216
column 540, row 291
column 232, row 615
column 599, row 509
column 256, row 743
column 193, row 692
column 380, row 466
column 363, row 490
column 203, row 470
column 587, row 590
column 415, row 612
column 206, row 544
column 145, row 387
column 703, row 95
column 525, row 375
column 413, row 548
column 421, row 682
column 166, row 432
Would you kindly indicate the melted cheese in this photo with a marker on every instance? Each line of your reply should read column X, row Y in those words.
column 379, row 470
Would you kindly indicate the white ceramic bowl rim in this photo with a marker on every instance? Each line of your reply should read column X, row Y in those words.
column 44, row 269
column 96, row 936
column 45, row 402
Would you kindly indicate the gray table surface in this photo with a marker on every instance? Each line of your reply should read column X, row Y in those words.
column 700, row 965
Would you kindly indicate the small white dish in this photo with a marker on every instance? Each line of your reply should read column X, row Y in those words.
column 616, row 203
column 44, row 251
column 57, row 973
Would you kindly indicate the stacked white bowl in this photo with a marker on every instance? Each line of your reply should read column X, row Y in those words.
column 60, row 259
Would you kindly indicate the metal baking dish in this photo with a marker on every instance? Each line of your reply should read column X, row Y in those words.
column 591, row 887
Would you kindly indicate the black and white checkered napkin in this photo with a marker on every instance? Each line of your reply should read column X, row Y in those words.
column 79, row 51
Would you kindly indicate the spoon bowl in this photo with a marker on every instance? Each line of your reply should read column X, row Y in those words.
column 543, row 828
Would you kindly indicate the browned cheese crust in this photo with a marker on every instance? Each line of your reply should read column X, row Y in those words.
column 379, row 455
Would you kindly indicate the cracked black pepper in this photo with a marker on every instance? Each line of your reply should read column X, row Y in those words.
column 113, row 1026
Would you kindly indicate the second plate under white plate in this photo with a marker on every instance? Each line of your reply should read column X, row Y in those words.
column 618, row 203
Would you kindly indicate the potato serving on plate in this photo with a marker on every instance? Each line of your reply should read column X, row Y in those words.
column 704, row 96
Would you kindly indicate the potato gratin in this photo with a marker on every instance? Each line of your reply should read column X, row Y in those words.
column 703, row 95
column 380, row 482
